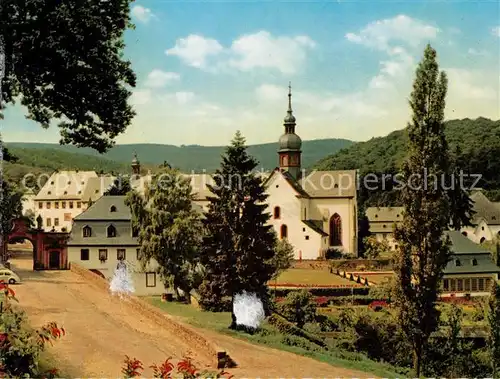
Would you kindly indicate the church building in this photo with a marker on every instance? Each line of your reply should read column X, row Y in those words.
column 314, row 211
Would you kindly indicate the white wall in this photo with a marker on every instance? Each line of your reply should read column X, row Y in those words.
column 324, row 209
column 389, row 237
column 482, row 230
column 291, row 214
column 108, row 267
column 60, row 213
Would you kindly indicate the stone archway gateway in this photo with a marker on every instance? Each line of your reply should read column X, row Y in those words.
column 49, row 248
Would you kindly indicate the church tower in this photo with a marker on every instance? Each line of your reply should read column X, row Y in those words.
column 290, row 143
column 136, row 165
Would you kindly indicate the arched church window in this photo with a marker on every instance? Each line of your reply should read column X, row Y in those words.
column 283, row 231
column 464, row 234
column 335, row 230
column 482, row 240
column 277, row 212
column 111, row 231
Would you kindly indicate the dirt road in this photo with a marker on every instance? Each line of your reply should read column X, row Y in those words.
column 101, row 330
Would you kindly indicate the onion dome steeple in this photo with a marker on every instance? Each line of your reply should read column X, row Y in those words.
column 290, row 143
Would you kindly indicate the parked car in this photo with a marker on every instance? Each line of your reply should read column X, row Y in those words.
column 9, row 276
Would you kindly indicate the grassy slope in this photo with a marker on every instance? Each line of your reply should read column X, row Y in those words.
column 219, row 322
column 186, row 158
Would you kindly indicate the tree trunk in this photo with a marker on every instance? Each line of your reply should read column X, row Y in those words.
column 417, row 359
column 233, row 316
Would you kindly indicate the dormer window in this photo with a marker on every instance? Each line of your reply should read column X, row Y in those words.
column 384, row 226
column 458, row 263
column 111, row 231
column 112, row 209
column 49, row 192
column 474, row 262
column 376, row 216
column 87, row 231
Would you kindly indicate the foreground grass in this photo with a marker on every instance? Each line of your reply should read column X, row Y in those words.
column 219, row 322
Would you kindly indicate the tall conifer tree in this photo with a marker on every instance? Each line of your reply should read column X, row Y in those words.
column 494, row 329
column 423, row 250
column 239, row 243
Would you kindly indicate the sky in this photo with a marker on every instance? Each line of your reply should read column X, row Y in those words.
column 206, row 69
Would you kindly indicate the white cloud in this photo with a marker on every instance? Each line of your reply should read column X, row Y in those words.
column 469, row 84
column 140, row 97
column 476, row 52
column 262, row 50
column 184, row 97
column 258, row 50
column 195, row 49
column 322, row 104
column 158, row 78
column 142, row 14
column 404, row 29
column 496, row 31
column 398, row 38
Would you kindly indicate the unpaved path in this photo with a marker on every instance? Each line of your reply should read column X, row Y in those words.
column 102, row 329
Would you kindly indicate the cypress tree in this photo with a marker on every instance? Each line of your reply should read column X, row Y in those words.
column 494, row 328
column 423, row 250
column 239, row 243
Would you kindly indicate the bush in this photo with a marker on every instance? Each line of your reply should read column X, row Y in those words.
column 299, row 307
column 328, row 292
column 333, row 253
column 20, row 345
column 287, row 328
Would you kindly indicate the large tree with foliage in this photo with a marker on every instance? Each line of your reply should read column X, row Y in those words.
column 169, row 229
column 423, row 249
column 64, row 60
column 239, row 244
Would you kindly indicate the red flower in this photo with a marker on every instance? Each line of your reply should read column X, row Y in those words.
column 186, row 367
column 164, row 371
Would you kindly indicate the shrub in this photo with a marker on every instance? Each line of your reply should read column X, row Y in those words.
column 287, row 328
column 333, row 253
column 20, row 345
column 299, row 307
column 329, row 292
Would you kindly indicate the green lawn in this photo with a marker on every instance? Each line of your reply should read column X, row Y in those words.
column 270, row 337
column 311, row 277
column 378, row 278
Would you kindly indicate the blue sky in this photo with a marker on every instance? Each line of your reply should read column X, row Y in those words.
column 206, row 69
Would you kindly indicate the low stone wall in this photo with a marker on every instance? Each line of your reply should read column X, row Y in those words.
column 220, row 358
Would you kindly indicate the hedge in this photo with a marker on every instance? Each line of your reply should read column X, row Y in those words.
column 287, row 328
column 329, row 292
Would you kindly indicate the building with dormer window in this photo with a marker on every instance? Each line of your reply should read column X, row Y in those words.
column 102, row 236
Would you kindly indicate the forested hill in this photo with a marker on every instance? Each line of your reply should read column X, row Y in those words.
column 185, row 158
column 479, row 141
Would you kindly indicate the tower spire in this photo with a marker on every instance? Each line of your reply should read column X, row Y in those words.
column 290, row 97
column 289, row 118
